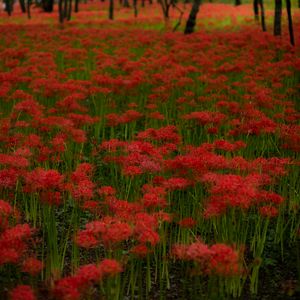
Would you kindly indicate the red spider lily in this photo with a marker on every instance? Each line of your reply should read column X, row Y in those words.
column 32, row 266
column 5, row 208
column 31, row 107
column 123, row 209
column 14, row 160
column 51, row 198
column 187, row 222
column 40, row 179
column 153, row 197
column 13, row 243
column 205, row 117
column 163, row 134
column 219, row 258
column 227, row 146
column 70, row 103
column 268, row 211
column 140, row 250
column 67, row 288
column 224, row 260
column 89, row 273
column 110, row 267
column 8, row 178
column 109, row 231
column 86, row 239
column 22, row 292
column 83, row 172
column 177, row 183
column 148, row 236
column 106, row 191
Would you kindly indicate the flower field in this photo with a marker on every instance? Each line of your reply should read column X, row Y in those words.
column 141, row 163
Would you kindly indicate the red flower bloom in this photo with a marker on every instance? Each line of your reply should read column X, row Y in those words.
column 268, row 211
column 22, row 292
column 110, row 267
column 32, row 266
column 187, row 222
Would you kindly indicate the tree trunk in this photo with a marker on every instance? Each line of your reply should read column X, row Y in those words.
column 262, row 15
column 69, row 10
column 22, row 6
column 28, row 9
column 291, row 30
column 9, row 6
column 65, row 8
column 76, row 7
column 191, row 22
column 60, row 11
column 237, row 2
column 111, row 10
column 143, row 3
column 135, row 8
column 256, row 10
column 126, row 3
column 165, row 5
column 277, row 17
column 47, row 5
column 167, row 14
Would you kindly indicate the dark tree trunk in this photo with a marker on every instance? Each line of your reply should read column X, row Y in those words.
column 291, row 30
column 111, row 10
column 28, row 9
column 167, row 14
column 181, row 13
column 143, row 3
column 65, row 9
column 22, row 6
column 135, row 8
column 61, row 11
column 151, row 2
column 126, row 3
column 76, row 6
column 256, row 10
column 191, row 22
column 165, row 5
column 69, row 10
column 277, row 17
column 47, row 5
column 237, row 2
column 9, row 6
column 262, row 15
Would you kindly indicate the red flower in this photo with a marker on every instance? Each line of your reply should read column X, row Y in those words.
column 110, row 267
column 88, row 273
column 148, row 236
column 86, row 239
column 224, row 260
column 5, row 208
column 22, row 292
column 268, row 211
column 67, row 288
column 187, row 222
column 51, row 198
column 40, row 179
column 32, row 266
column 140, row 250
